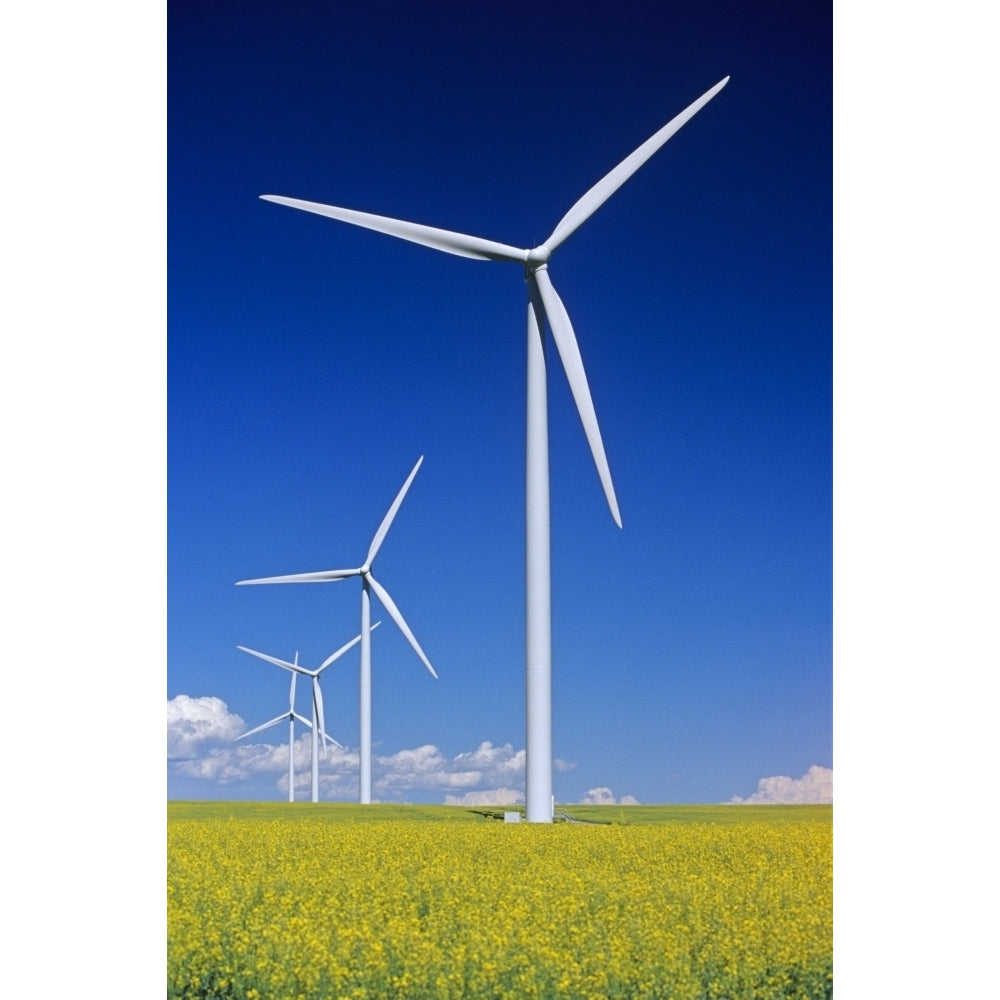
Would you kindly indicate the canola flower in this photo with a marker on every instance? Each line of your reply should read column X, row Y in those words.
column 402, row 909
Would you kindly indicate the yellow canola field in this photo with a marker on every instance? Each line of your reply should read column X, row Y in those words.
column 405, row 909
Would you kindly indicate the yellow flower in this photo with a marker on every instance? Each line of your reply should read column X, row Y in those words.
column 307, row 909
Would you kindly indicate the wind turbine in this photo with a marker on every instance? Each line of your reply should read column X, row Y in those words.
column 543, row 303
column 368, row 584
column 318, row 726
column 291, row 715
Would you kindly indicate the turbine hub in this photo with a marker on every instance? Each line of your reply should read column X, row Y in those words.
column 539, row 255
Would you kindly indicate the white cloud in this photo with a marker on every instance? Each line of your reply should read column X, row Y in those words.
column 814, row 787
column 200, row 745
column 493, row 797
column 225, row 766
column 423, row 767
column 192, row 723
column 426, row 767
column 603, row 796
column 499, row 762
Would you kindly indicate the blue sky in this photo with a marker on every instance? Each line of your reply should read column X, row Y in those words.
column 311, row 363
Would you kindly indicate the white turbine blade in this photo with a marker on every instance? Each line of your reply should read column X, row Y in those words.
column 383, row 528
column 267, row 725
column 318, row 703
column 291, row 690
column 329, row 739
column 301, row 719
column 612, row 181
column 569, row 352
column 324, row 576
column 428, row 236
column 389, row 605
column 336, row 656
column 340, row 652
column 293, row 667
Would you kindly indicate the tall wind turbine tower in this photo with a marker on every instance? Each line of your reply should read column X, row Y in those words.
column 543, row 304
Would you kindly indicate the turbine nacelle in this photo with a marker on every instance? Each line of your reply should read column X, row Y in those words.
column 537, row 256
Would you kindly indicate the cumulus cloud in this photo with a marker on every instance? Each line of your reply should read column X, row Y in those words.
column 422, row 767
column 224, row 766
column 194, row 723
column 426, row 767
column 200, row 744
column 493, row 797
column 603, row 796
column 814, row 787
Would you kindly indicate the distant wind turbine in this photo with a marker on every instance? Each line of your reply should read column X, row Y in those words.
column 543, row 303
column 368, row 584
column 291, row 715
column 318, row 726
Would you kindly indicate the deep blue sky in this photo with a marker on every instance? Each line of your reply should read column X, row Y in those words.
column 310, row 363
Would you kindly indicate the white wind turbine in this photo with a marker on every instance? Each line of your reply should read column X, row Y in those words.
column 543, row 302
column 319, row 733
column 368, row 584
column 291, row 715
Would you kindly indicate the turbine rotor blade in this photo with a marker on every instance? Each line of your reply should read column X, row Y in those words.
column 569, row 353
column 611, row 182
column 278, row 663
column 302, row 719
column 336, row 656
column 330, row 739
column 267, row 725
column 383, row 528
column 324, row 576
column 438, row 239
column 390, row 606
column 291, row 690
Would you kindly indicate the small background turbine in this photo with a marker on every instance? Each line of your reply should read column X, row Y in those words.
column 318, row 725
column 291, row 715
